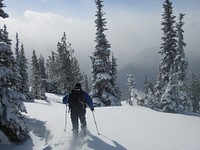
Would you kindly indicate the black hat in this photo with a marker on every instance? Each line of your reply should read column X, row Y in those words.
column 77, row 86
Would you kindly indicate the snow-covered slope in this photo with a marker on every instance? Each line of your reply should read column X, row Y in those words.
column 121, row 128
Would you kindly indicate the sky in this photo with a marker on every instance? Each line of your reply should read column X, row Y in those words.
column 133, row 26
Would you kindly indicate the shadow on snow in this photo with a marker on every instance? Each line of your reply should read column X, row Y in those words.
column 38, row 128
column 94, row 142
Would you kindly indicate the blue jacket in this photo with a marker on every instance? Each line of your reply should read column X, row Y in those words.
column 87, row 98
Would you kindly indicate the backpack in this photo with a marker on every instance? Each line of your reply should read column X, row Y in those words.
column 77, row 100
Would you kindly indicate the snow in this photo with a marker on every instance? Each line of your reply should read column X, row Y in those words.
column 121, row 128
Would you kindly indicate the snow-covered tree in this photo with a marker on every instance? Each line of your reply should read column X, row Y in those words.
column 38, row 82
column 76, row 72
column 35, row 76
column 2, row 13
column 131, row 84
column 42, row 78
column 17, row 68
column 86, row 85
column 65, row 78
column 168, row 50
column 193, row 91
column 42, row 68
column 149, row 98
column 171, row 82
column 52, row 74
column 17, row 48
column 179, row 68
column 103, row 92
column 114, row 79
column 6, row 36
column 62, row 68
column 146, row 85
column 23, row 69
column 12, row 124
column 175, row 98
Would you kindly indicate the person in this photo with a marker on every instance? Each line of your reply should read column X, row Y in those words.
column 78, row 100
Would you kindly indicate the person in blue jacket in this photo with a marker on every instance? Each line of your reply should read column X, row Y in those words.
column 78, row 100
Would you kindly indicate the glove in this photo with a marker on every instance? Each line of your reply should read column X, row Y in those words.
column 92, row 109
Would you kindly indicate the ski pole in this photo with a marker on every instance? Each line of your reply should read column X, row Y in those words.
column 65, row 119
column 95, row 123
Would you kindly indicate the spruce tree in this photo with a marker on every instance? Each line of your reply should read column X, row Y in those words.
column 35, row 76
column 17, row 48
column 17, row 68
column 6, row 36
column 42, row 68
column 168, row 52
column 76, row 72
column 64, row 50
column 42, row 78
column 179, row 68
column 23, row 65
column 86, row 85
column 114, row 82
column 175, row 98
column 2, row 13
column 146, row 85
column 193, row 91
column 149, row 99
column 38, row 77
column 21, row 70
column 12, row 124
column 52, row 74
column 131, row 84
column 63, row 70
column 103, row 92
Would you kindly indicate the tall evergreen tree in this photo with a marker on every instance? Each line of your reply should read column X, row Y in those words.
column 42, row 78
column 149, row 99
column 12, row 124
column 6, row 36
column 17, row 48
column 179, row 68
column 38, row 77
column 17, row 68
column 23, row 65
column 103, row 92
column 114, row 82
column 193, row 91
column 21, row 70
column 175, row 98
column 86, row 86
column 65, row 78
column 131, row 86
column 42, row 68
column 2, row 13
column 63, row 68
column 52, row 74
column 168, row 51
column 35, row 76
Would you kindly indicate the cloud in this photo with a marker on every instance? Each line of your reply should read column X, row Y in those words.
column 129, row 32
column 43, row 1
column 42, row 31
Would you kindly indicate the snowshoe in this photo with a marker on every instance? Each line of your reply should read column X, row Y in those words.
column 75, row 134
